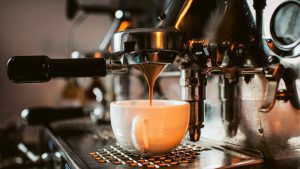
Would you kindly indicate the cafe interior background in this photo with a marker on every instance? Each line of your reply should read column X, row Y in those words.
column 39, row 27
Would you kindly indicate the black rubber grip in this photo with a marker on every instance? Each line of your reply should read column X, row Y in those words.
column 47, row 115
column 30, row 69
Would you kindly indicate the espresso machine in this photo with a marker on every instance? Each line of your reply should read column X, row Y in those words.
column 244, row 51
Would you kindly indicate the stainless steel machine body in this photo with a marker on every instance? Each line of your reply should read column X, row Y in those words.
column 240, row 49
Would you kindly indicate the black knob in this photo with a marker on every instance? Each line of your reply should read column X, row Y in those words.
column 28, row 69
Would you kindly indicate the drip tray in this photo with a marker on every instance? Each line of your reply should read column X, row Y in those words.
column 84, row 145
column 186, row 155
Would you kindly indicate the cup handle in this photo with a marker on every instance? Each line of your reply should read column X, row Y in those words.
column 139, row 133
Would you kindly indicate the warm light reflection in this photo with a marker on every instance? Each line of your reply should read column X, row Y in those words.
column 271, row 45
column 201, row 42
column 276, row 70
column 123, row 26
column 277, row 124
column 158, row 36
column 109, row 49
column 232, row 47
column 182, row 14
column 97, row 55
column 235, row 160
column 155, row 56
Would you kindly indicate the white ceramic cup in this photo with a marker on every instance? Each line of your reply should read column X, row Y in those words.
column 149, row 130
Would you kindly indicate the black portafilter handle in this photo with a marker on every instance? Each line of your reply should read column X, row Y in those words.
column 36, row 69
column 47, row 115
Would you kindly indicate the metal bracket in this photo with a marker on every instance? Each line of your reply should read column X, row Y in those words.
column 273, row 74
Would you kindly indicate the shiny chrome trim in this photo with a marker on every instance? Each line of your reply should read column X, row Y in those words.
column 154, row 39
column 281, row 50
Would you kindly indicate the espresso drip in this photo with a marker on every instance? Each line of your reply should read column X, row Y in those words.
column 150, row 72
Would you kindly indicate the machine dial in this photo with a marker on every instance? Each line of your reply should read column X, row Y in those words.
column 286, row 24
column 282, row 27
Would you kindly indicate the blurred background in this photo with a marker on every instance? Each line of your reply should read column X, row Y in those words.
column 35, row 27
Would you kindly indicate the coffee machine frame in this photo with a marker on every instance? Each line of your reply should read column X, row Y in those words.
column 241, row 51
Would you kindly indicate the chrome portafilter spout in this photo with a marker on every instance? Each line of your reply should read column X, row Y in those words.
column 147, row 45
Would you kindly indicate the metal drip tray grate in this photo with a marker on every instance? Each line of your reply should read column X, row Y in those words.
column 81, row 138
column 182, row 155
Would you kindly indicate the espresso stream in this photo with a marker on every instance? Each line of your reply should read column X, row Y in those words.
column 150, row 72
